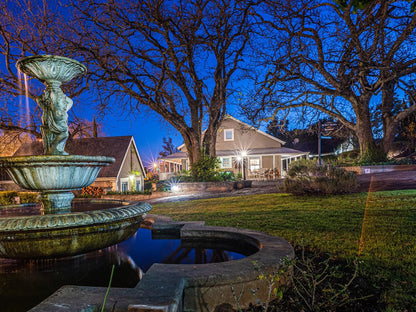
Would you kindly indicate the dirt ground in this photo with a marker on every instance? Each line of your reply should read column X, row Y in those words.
column 384, row 181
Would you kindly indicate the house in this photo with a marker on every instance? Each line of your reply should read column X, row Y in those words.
column 125, row 174
column 240, row 149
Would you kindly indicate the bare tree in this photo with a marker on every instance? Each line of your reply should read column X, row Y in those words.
column 176, row 58
column 344, row 61
column 28, row 28
column 168, row 147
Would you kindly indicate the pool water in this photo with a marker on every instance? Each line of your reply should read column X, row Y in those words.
column 24, row 284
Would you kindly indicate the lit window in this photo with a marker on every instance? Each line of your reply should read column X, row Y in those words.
column 226, row 162
column 254, row 163
column 229, row 135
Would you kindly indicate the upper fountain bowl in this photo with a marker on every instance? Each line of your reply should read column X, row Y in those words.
column 51, row 68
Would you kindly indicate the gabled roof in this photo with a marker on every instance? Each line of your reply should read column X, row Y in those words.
column 116, row 147
column 257, row 130
column 248, row 126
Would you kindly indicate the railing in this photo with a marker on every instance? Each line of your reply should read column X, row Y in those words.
column 264, row 174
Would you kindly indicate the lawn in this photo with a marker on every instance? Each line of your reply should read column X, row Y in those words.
column 377, row 229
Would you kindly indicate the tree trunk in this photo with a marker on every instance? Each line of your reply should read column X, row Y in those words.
column 193, row 147
column 390, row 130
column 363, row 130
column 387, row 114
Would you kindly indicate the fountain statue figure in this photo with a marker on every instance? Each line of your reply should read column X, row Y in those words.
column 53, row 71
column 55, row 105
column 59, row 231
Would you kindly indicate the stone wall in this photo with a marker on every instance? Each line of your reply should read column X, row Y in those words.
column 380, row 168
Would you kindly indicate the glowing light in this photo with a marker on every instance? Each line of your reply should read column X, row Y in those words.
column 244, row 153
column 175, row 188
column 154, row 165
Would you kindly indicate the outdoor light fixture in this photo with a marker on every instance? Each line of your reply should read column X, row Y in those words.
column 243, row 155
column 175, row 188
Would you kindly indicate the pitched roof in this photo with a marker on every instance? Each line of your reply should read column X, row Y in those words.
column 116, row 147
column 248, row 126
column 255, row 129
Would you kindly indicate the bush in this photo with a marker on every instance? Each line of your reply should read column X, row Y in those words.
column 307, row 177
column 145, row 192
column 28, row 197
column 227, row 176
column 7, row 198
column 323, row 282
column 205, row 169
column 92, row 192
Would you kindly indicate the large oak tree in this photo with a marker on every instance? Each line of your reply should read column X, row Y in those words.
column 349, row 62
column 174, row 57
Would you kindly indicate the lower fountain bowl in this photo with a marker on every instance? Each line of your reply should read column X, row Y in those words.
column 69, row 234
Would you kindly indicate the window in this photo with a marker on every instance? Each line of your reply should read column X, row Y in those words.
column 254, row 163
column 226, row 162
column 124, row 186
column 228, row 134
column 137, row 185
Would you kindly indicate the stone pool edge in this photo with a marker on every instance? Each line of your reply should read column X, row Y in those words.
column 186, row 287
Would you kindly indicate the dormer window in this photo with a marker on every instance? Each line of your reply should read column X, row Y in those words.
column 228, row 134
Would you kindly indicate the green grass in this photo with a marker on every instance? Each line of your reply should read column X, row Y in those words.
column 377, row 228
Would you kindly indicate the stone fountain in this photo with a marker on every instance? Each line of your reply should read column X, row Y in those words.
column 60, row 232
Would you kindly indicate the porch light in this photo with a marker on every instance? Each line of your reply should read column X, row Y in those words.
column 244, row 155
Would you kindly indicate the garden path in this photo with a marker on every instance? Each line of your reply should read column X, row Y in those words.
column 383, row 181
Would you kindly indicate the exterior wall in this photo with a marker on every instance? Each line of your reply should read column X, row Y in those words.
column 267, row 162
column 183, row 164
column 131, row 163
column 244, row 137
column 278, row 164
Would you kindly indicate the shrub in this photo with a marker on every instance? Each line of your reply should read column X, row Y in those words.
column 7, row 198
column 28, row 197
column 307, row 177
column 145, row 192
column 205, row 169
column 227, row 176
column 92, row 192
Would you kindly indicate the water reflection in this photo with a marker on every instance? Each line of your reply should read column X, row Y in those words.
column 24, row 284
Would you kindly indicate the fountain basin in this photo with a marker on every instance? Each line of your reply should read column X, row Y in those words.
column 55, row 176
column 51, row 67
column 68, row 234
